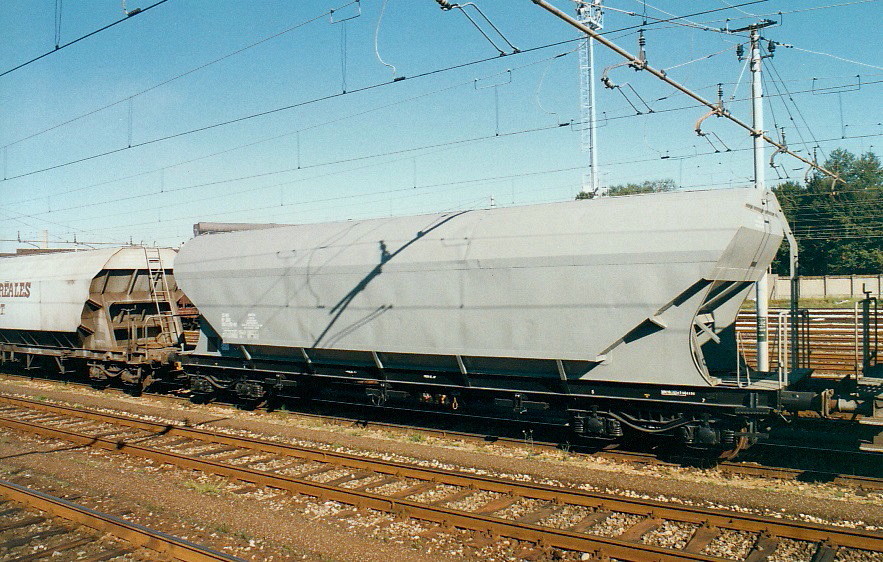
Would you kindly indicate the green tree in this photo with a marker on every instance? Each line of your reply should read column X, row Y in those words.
column 839, row 227
column 649, row 186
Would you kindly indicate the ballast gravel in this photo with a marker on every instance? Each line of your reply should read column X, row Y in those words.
column 521, row 508
column 330, row 475
column 844, row 555
column 473, row 501
column 824, row 503
column 731, row 545
column 394, row 487
column 569, row 516
column 671, row 534
column 788, row 550
column 437, row 493
column 615, row 525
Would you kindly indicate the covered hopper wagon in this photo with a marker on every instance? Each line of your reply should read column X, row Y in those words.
column 612, row 316
column 108, row 313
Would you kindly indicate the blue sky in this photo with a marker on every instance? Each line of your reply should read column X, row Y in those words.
column 455, row 139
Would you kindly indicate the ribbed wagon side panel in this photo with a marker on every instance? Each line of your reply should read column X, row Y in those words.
column 58, row 287
column 574, row 281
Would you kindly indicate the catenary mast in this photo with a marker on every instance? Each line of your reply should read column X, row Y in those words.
column 589, row 13
column 762, row 291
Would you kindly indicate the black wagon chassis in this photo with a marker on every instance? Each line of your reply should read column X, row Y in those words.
column 713, row 416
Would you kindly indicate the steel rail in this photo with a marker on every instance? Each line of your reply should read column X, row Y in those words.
column 128, row 531
column 640, row 64
column 635, row 457
column 448, row 517
column 797, row 530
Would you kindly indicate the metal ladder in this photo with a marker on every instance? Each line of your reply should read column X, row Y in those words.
column 159, row 291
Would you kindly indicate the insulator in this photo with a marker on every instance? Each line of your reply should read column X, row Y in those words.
column 740, row 51
column 642, row 56
column 771, row 47
column 720, row 92
column 445, row 5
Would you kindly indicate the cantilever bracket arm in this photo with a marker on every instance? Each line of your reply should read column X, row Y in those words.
column 447, row 6
column 605, row 78
column 773, row 157
column 715, row 111
column 642, row 65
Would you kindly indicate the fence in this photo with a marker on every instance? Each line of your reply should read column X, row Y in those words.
column 834, row 339
column 827, row 286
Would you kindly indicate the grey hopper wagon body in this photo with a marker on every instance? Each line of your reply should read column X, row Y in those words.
column 607, row 315
column 626, row 289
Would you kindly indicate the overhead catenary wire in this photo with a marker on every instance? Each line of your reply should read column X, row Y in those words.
column 767, row 80
column 728, row 5
column 610, row 118
column 786, row 12
column 844, row 59
column 702, row 58
column 181, row 74
column 276, row 137
column 410, row 187
column 642, row 65
column 788, row 97
column 400, row 78
column 321, row 164
column 268, row 112
column 324, row 98
column 377, row 38
column 347, row 117
column 677, row 20
column 82, row 37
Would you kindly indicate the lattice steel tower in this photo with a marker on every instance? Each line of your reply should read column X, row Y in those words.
column 589, row 13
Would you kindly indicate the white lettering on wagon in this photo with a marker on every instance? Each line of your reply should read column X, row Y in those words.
column 677, row 393
column 249, row 330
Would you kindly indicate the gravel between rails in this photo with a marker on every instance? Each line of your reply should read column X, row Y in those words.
column 255, row 523
column 816, row 502
column 672, row 534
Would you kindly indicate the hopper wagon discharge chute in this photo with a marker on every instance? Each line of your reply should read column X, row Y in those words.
column 615, row 316
column 108, row 313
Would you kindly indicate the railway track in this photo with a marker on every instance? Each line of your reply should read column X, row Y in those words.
column 35, row 526
column 862, row 481
column 753, row 468
column 548, row 516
